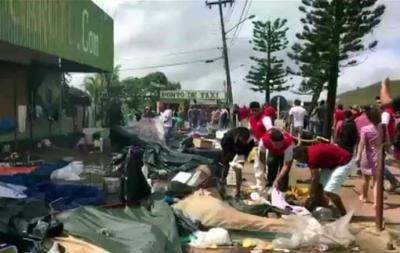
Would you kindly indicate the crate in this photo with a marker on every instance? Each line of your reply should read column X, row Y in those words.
column 203, row 143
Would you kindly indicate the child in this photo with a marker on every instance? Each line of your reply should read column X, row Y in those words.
column 367, row 155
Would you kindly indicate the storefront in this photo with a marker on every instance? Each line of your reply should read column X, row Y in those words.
column 40, row 41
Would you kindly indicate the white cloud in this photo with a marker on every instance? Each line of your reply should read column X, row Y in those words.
column 148, row 30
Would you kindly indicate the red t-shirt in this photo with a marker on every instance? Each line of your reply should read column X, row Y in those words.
column 257, row 126
column 287, row 142
column 327, row 156
column 270, row 112
column 244, row 113
column 339, row 115
column 338, row 128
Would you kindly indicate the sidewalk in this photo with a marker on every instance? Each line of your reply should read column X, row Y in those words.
column 363, row 222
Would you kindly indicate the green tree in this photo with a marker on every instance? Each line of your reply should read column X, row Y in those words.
column 96, row 88
column 135, row 91
column 332, row 37
column 104, row 89
column 268, row 74
column 154, row 83
column 141, row 92
column 313, row 70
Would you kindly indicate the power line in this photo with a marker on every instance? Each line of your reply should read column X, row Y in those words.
column 241, row 26
column 173, row 64
column 230, row 13
column 176, row 53
column 220, row 3
column 240, row 18
column 193, row 51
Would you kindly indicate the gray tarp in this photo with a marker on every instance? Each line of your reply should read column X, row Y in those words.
column 163, row 161
column 129, row 230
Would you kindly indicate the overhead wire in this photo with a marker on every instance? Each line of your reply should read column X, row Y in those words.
column 192, row 51
column 173, row 64
column 234, row 38
column 229, row 16
column 240, row 18
column 246, row 15
column 174, row 53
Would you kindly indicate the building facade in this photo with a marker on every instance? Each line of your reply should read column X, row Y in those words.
column 40, row 41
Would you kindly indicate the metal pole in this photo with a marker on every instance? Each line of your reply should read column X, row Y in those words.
column 226, row 59
column 381, row 167
column 15, row 116
column 279, row 106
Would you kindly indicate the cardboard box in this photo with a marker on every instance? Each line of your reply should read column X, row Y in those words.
column 203, row 143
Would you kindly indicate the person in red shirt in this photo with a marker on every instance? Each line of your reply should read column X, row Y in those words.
column 275, row 151
column 259, row 122
column 339, row 115
column 244, row 113
column 270, row 111
column 330, row 166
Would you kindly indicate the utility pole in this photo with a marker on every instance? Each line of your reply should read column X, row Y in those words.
column 224, row 47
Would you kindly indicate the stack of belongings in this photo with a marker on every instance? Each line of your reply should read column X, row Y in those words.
column 29, row 198
column 154, row 177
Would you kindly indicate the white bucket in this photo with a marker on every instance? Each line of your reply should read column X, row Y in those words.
column 111, row 184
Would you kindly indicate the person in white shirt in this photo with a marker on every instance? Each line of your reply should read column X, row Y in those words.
column 296, row 118
column 166, row 117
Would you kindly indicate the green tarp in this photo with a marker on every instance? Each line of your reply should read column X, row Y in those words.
column 126, row 230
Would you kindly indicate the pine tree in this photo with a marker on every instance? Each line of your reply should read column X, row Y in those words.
column 332, row 37
column 313, row 70
column 268, row 74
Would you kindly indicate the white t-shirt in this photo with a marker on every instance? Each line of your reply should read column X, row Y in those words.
column 297, row 112
column 385, row 118
column 166, row 117
column 267, row 122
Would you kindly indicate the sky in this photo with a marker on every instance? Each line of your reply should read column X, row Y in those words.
column 159, row 32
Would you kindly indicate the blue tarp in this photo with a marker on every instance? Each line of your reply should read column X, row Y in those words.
column 41, row 174
column 65, row 196
column 7, row 125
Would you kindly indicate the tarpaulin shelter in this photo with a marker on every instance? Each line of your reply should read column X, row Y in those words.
column 24, row 219
column 41, row 174
column 64, row 196
column 125, row 230
column 161, row 161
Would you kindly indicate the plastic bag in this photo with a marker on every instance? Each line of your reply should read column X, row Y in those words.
column 70, row 172
column 148, row 129
column 215, row 236
column 309, row 232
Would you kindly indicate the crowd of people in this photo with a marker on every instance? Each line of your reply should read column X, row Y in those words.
column 354, row 143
